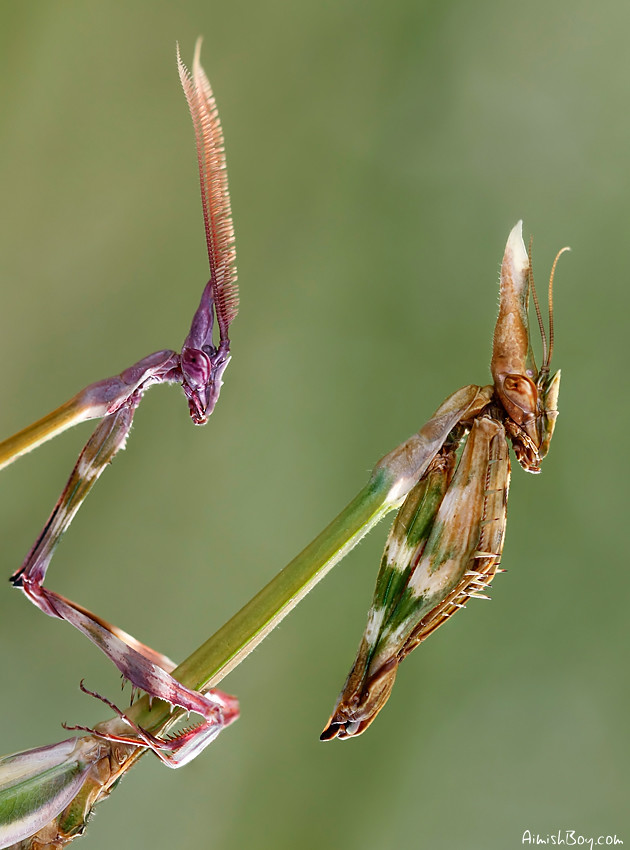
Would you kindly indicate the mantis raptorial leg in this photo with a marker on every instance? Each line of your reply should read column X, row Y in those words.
column 199, row 369
column 445, row 544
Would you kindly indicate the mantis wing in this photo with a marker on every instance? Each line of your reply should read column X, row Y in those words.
column 36, row 785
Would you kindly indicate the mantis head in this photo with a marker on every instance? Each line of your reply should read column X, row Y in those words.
column 202, row 363
column 528, row 395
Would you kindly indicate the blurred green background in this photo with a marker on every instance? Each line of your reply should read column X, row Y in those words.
column 379, row 154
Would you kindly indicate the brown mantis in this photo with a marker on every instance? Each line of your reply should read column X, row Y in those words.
column 199, row 369
column 445, row 544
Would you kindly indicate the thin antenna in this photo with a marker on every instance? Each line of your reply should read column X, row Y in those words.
column 553, row 271
column 530, row 274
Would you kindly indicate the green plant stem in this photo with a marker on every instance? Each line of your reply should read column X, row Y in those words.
column 212, row 661
column 244, row 631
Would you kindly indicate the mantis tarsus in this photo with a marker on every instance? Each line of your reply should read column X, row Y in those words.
column 445, row 544
column 199, row 369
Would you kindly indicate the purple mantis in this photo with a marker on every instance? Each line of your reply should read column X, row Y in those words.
column 199, row 369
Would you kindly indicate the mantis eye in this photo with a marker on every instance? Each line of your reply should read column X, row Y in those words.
column 519, row 397
column 520, row 387
column 196, row 367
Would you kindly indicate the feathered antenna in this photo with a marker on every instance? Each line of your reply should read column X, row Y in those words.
column 215, row 197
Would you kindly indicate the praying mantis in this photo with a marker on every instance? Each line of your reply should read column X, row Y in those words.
column 199, row 369
column 445, row 544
